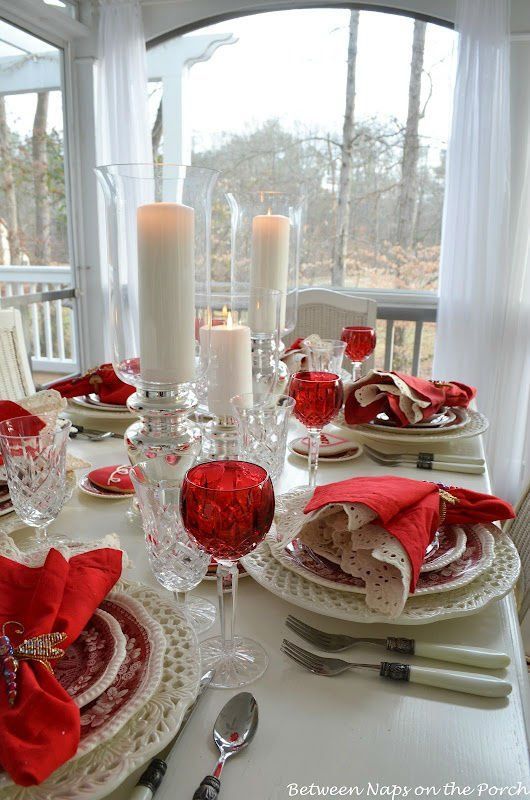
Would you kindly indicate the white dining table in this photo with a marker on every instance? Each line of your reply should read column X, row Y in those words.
column 363, row 735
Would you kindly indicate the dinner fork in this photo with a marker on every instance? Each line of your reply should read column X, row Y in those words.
column 396, row 461
column 456, row 654
column 452, row 458
column 482, row 685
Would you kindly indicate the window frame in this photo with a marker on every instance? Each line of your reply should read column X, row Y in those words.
column 58, row 29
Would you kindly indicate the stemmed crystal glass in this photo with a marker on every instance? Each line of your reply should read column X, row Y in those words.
column 176, row 561
column 324, row 355
column 360, row 344
column 263, row 424
column 319, row 397
column 228, row 508
column 34, row 453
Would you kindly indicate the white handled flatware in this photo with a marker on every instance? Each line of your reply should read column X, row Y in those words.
column 425, row 456
column 454, row 653
column 414, row 461
column 481, row 685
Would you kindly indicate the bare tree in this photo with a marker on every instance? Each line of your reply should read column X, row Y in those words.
column 340, row 247
column 8, row 185
column 40, row 181
column 156, row 132
column 408, row 198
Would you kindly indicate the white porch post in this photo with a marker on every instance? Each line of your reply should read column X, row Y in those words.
column 170, row 62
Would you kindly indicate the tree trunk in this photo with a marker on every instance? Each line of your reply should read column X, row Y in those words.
column 40, row 181
column 156, row 133
column 8, row 185
column 408, row 200
column 345, row 180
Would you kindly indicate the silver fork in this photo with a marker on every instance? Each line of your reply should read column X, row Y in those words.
column 483, row 685
column 456, row 654
column 452, row 458
column 396, row 461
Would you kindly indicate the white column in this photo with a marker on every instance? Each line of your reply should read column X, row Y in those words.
column 171, row 62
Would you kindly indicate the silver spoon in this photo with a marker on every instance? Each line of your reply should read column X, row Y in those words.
column 234, row 729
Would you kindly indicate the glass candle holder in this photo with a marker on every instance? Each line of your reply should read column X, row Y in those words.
column 237, row 320
column 266, row 238
column 158, row 235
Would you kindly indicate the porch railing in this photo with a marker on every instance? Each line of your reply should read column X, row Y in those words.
column 43, row 294
column 404, row 316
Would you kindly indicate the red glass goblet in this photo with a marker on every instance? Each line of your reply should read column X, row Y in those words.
column 227, row 508
column 319, row 397
column 360, row 344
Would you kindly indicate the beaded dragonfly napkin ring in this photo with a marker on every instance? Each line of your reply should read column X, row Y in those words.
column 42, row 648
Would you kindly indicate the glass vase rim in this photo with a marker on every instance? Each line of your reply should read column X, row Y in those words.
column 60, row 425
column 154, row 166
column 249, row 293
column 207, row 464
column 358, row 328
column 323, row 342
column 332, row 377
column 254, row 192
column 266, row 401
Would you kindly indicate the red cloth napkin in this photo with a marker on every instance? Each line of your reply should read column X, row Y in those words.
column 102, row 381
column 41, row 731
column 435, row 393
column 410, row 510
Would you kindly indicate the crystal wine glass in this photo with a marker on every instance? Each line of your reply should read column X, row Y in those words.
column 324, row 355
column 34, row 453
column 228, row 508
column 176, row 561
column 319, row 397
column 360, row 344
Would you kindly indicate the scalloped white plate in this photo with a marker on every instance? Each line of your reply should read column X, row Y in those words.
column 475, row 425
column 476, row 558
column 96, row 774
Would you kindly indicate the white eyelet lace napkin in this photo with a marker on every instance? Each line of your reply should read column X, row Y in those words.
column 347, row 535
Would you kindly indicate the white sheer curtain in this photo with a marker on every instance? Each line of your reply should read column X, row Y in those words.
column 483, row 313
column 124, row 135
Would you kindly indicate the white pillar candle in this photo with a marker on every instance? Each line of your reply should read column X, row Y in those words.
column 270, row 266
column 166, row 292
column 230, row 367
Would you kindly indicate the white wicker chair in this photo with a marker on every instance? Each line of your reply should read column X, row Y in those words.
column 15, row 374
column 519, row 530
column 327, row 312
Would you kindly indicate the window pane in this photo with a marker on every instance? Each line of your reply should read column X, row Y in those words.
column 267, row 106
column 34, row 247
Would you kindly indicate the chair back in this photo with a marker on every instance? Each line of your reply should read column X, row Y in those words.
column 16, row 381
column 326, row 312
column 519, row 530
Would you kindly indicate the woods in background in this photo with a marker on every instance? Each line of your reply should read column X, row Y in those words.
column 32, row 192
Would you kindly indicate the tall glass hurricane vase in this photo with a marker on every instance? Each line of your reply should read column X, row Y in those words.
column 228, row 508
column 266, row 239
column 158, row 233
column 238, row 317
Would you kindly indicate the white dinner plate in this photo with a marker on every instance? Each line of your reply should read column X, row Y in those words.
column 88, row 409
column 96, row 774
column 475, row 425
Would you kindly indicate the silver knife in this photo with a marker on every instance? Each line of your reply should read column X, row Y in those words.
column 153, row 776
